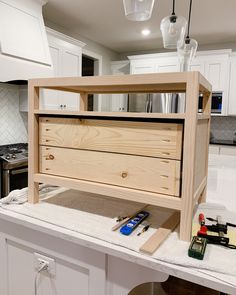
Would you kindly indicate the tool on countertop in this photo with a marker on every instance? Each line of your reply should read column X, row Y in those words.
column 130, row 226
column 127, row 218
column 145, row 228
column 120, row 218
column 197, row 248
column 219, row 228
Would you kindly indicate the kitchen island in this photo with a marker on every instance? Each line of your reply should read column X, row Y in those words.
column 82, row 263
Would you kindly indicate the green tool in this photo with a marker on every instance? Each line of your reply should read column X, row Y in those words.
column 197, row 248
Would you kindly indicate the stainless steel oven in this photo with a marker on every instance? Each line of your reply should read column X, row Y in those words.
column 14, row 178
column 14, row 168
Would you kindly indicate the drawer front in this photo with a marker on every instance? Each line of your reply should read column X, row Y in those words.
column 144, row 173
column 162, row 140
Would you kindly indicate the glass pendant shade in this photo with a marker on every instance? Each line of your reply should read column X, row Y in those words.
column 138, row 10
column 186, row 52
column 173, row 29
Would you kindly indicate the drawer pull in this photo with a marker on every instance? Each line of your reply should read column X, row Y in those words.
column 165, row 161
column 165, row 153
column 165, row 188
column 165, row 140
column 164, row 176
column 47, row 140
column 47, row 129
column 50, row 157
column 124, row 174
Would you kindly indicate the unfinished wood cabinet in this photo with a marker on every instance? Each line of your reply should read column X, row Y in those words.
column 153, row 158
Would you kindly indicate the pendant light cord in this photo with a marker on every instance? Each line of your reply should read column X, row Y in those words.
column 173, row 9
column 189, row 18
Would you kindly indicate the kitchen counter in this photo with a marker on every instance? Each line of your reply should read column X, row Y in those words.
column 110, row 268
column 223, row 142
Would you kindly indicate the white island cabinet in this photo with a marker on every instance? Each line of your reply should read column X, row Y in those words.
column 79, row 266
column 66, row 54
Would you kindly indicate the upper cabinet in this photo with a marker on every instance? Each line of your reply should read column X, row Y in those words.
column 232, row 86
column 216, row 70
column 142, row 66
column 214, row 65
column 153, row 63
column 66, row 54
column 24, row 47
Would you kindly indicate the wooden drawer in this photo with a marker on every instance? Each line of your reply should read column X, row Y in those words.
column 137, row 138
column 144, row 173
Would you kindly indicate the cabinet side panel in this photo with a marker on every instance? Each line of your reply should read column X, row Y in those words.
column 201, row 153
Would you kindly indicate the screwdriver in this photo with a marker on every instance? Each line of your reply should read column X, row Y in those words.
column 144, row 229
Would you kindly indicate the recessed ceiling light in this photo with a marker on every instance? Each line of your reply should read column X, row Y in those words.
column 145, row 32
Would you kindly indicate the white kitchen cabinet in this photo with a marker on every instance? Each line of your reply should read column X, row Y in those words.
column 232, row 87
column 165, row 64
column 143, row 66
column 154, row 63
column 66, row 54
column 119, row 102
column 197, row 64
column 214, row 65
column 217, row 71
column 79, row 268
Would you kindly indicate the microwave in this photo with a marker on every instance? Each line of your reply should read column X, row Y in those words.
column 216, row 102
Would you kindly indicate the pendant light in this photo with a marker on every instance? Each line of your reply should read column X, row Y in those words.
column 173, row 29
column 188, row 48
column 138, row 10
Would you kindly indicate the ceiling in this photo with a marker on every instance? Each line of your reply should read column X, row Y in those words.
column 103, row 21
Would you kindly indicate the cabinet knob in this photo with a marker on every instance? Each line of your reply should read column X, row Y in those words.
column 64, row 106
column 124, row 174
column 50, row 157
column 61, row 106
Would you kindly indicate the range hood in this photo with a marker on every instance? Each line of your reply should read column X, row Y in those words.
column 24, row 50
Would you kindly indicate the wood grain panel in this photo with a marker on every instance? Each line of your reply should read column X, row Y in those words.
column 138, row 138
column 144, row 173
column 201, row 153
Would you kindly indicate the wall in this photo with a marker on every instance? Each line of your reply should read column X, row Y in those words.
column 223, row 127
column 12, row 123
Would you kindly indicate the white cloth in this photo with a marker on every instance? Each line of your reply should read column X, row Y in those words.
column 94, row 216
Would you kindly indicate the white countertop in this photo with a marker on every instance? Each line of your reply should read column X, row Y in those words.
column 117, row 251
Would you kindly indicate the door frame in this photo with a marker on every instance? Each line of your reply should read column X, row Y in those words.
column 97, row 72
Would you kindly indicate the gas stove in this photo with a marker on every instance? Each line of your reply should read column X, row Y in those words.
column 14, row 155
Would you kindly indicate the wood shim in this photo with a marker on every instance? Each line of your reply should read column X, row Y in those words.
column 151, row 245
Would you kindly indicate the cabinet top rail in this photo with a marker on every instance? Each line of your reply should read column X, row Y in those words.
column 159, row 82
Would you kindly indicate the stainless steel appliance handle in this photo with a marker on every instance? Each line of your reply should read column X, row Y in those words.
column 19, row 171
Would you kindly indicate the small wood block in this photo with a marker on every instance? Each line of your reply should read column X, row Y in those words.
column 161, row 234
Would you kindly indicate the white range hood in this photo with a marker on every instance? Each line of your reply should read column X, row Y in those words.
column 24, row 50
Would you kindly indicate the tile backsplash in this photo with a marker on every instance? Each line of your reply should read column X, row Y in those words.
column 13, row 123
column 223, row 127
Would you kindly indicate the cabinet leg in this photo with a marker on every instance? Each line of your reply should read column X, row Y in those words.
column 186, row 225
column 33, row 193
